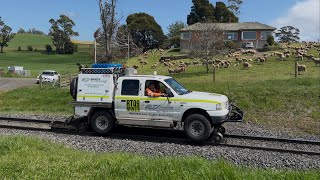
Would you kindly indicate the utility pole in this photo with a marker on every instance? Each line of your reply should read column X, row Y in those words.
column 128, row 45
column 95, row 51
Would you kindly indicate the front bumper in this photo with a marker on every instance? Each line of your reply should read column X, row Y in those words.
column 235, row 115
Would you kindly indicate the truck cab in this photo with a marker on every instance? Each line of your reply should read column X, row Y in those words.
column 107, row 100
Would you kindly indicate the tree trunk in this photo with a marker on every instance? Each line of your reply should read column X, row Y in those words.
column 1, row 49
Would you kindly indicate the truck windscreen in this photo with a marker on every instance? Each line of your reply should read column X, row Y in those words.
column 176, row 86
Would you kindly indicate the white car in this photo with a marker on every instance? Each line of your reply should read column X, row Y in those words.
column 249, row 45
column 48, row 76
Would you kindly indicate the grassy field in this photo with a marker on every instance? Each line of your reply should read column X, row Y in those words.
column 38, row 61
column 28, row 158
column 37, row 41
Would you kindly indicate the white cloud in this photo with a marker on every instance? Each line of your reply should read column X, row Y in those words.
column 304, row 15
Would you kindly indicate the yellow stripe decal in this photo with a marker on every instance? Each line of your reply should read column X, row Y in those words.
column 164, row 99
column 104, row 97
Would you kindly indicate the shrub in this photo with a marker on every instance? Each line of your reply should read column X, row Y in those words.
column 270, row 40
column 75, row 47
column 19, row 48
column 231, row 45
column 69, row 48
column 48, row 49
column 36, row 50
column 30, row 48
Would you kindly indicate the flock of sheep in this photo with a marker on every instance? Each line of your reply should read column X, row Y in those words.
column 244, row 58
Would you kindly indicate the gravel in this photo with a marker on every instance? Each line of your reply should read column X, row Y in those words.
column 238, row 156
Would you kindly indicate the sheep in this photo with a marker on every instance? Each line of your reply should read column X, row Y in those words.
column 154, row 66
column 301, row 68
column 316, row 61
column 135, row 66
column 227, row 65
column 195, row 62
column 167, row 60
column 246, row 65
column 299, row 57
column 171, row 71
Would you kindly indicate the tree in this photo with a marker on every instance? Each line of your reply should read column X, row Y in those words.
column 61, row 32
column 21, row 31
column 234, row 6
column 270, row 40
column 288, row 34
column 201, row 11
column 145, row 31
column 223, row 14
column 174, row 33
column 210, row 42
column 5, row 35
column 106, row 34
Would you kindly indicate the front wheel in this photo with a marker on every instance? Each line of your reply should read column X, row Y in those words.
column 197, row 127
column 102, row 122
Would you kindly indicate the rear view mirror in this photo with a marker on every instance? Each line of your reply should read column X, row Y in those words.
column 169, row 93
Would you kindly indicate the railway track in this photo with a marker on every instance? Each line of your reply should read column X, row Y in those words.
column 168, row 136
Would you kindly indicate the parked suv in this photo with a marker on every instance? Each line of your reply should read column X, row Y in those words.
column 48, row 76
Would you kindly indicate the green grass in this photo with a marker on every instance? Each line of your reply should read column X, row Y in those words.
column 37, row 41
column 37, row 62
column 28, row 158
column 46, row 100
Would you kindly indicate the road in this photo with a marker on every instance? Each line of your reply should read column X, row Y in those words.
column 14, row 83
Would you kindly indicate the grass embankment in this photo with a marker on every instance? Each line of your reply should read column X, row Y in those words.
column 27, row 158
column 34, row 100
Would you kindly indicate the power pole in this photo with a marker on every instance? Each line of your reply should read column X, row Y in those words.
column 95, row 51
column 128, row 45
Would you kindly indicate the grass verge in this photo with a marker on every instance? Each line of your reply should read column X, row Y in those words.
column 36, row 100
column 28, row 158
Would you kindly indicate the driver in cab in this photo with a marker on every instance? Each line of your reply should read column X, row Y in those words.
column 152, row 91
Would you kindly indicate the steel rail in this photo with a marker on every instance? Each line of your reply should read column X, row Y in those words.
column 167, row 138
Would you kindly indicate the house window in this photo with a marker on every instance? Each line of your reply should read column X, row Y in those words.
column 186, row 36
column 265, row 34
column 231, row 36
column 130, row 88
column 249, row 35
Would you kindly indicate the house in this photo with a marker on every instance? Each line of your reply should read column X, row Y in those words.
column 241, row 33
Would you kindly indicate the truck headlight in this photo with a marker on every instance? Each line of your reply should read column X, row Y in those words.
column 219, row 107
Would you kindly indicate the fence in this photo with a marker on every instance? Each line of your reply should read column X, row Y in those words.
column 62, row 82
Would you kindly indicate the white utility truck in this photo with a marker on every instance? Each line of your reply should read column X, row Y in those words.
column 106, row 97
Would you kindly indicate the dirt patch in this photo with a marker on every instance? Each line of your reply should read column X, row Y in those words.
column 7, row 84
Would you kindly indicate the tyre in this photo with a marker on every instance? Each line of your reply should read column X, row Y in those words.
column 102, row 122
column 73, row 88
column 197, row 127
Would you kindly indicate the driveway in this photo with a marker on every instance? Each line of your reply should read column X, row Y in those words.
column 14, row 83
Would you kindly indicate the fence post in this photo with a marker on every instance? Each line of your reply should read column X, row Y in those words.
column 214, row 74
column 59, row 81
column 296, row 69
column 70, row 78
column 40, row 81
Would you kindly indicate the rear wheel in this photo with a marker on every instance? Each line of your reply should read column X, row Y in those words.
column 197, row 127
column 102, row 122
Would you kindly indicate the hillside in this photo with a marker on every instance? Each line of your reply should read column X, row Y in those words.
column 37, row 41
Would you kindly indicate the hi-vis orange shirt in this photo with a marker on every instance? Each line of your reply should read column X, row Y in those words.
column 153, row 94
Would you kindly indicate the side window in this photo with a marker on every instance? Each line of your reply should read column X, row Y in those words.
column 159, row 87
column 130, row 88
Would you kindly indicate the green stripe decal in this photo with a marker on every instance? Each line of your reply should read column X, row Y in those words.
column 104, row 97
column 164, row 99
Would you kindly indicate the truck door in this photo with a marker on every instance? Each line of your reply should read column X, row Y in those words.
column 158, row 108
column 127, row 99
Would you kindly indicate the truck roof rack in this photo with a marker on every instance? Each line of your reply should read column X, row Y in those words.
column 102, row 70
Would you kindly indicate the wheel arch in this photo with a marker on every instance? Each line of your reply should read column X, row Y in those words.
column 196, row 111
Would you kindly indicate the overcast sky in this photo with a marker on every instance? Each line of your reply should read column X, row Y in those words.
column 303, row 14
